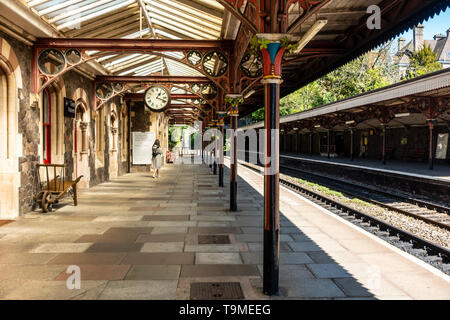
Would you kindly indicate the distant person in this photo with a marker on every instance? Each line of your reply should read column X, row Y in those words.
column 156, row 158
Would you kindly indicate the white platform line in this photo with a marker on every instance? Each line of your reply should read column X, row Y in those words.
column 404, row 254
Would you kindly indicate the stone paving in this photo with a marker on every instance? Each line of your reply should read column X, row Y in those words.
column 142, row 238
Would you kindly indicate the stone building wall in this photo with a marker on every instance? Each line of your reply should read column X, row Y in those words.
column 30, row 128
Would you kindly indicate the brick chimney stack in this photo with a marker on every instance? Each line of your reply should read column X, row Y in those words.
column 401, row 43
column 418, row 37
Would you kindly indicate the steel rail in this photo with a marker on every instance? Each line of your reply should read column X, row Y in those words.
column 418, row 242
column 383, row 193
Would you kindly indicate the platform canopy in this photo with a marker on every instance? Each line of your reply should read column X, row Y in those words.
column 330, row 33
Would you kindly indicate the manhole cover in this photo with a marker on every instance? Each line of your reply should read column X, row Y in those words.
column 216, row 290
column 213, row 239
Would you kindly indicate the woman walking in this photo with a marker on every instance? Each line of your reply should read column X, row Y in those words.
column 156, row 158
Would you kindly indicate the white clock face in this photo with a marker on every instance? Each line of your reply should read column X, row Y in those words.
column 156, row 98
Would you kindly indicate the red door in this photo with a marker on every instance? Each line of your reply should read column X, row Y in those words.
column 46, row 126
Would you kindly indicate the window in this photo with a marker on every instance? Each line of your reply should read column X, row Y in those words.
column 124, row 133
column 113, row 143
column 100, row 135
column 46, row 127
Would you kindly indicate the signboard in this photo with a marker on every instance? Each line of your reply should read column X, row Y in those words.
column 441, row 147
column 142, row 147
column 69, row 108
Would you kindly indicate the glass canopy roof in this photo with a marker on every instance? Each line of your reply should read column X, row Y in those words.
column 134, row 19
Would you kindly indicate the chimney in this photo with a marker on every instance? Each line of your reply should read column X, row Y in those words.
column 418, row 37
column 439, row 36
column 401, row 43
column 448, row 33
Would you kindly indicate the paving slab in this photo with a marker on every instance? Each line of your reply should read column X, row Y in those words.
column 154, row 272
column 163, row 247
column 98, row 272
column 140, row 290
column 61, row 247
column 162, row 258
column 211, row 270
column 87, row 258
column 217, row 258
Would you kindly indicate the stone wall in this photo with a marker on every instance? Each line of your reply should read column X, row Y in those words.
column 30, row 127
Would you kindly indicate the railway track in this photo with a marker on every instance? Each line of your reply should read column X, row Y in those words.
column 427, row 251
column 431, row 213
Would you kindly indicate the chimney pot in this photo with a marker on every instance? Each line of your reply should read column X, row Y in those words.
column 418, row 37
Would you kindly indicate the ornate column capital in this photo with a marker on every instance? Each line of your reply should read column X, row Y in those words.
column 221, row 117
column 234, row 100
column 84, row 125
column 272, row 46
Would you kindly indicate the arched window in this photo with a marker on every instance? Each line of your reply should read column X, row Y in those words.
column 46, row 126
column 124, row 133
column 113, row 128
column 100, row 135
column 80, row 138
column 10, row 140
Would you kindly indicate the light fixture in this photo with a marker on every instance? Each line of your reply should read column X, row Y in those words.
column 248, row 94
column 400, row 115
column 350, row 122
column 310, row 34
column 317, row 126
column 295, row 128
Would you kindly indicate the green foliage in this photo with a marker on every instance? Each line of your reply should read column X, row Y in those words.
column 289, row 45
column 368, row 72
column 257, row 44
column 175, row 135
column 234, row 102
column 422, row 62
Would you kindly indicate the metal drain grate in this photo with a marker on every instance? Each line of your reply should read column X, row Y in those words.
column 213, row 239
column 216, row 290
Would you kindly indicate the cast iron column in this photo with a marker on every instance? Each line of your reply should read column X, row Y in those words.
column 272, row 56
column 328, row 143
column 430, row 154
column 233, row 163
column 310, row 144
column 215, row 152
column 351, row 145
column 221, row 124
column 384, row 143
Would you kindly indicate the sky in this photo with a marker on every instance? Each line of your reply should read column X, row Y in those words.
column 438, row 24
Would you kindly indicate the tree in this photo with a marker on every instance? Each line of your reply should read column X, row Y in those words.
column 176, row 134
column 368, row 72
column 422, row 62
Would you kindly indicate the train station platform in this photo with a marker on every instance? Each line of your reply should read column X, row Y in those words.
column 142, row 238
column 440, row 172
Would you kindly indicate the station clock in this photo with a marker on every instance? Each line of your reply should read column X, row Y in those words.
column 157, row 98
